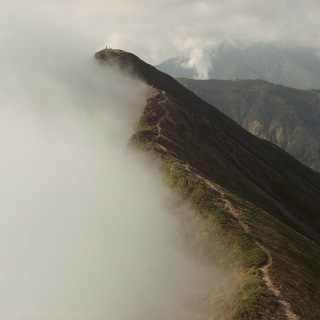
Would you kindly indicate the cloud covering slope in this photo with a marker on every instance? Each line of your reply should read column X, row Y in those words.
column 84, row 228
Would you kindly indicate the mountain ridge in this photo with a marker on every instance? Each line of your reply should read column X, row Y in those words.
column 291, row 66
column 282, row 115
column 263, row 202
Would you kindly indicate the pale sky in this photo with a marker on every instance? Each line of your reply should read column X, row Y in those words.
column 156, row 30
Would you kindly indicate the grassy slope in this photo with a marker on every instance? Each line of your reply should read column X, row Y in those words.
column 236, row 182
column 284, row 116
column 295, row 269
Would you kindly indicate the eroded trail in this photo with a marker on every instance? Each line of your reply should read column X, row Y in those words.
column 264, row 269
column 165, row 113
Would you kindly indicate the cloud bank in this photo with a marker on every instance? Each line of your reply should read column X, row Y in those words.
column 84, row 225
column 157, row 30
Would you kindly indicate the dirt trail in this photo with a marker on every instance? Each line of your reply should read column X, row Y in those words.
column 158, row 125
column 290, row 315
column 268, row 263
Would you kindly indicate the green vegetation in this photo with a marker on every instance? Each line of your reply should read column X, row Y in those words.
column 252, row 304
column 296, row 272
column 218, row 226
column 247, row 195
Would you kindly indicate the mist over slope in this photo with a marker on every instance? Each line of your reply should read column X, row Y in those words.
column 291, row 66
column 261, row 202
column 85, row 231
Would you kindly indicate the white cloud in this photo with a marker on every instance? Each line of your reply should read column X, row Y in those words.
column 84, row 226
column 155, row 30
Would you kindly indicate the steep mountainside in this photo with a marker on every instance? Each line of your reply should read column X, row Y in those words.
column 261, row 203
column 293, row 66
column 285, row 116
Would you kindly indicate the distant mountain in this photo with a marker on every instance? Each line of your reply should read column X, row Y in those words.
column 285, row 116
column 293, row 66
column 251, row 197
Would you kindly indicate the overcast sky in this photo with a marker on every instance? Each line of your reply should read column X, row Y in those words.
column 156, row 30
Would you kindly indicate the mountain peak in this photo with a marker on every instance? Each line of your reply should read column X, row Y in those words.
column 265, row 201
column 126, row 61
column 117, row 56
column 149, row 74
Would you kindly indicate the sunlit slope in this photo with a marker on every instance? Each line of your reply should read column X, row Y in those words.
column 264, row 203
column 285, row 116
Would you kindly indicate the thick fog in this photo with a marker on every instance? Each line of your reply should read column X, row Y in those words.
column 85, row 231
